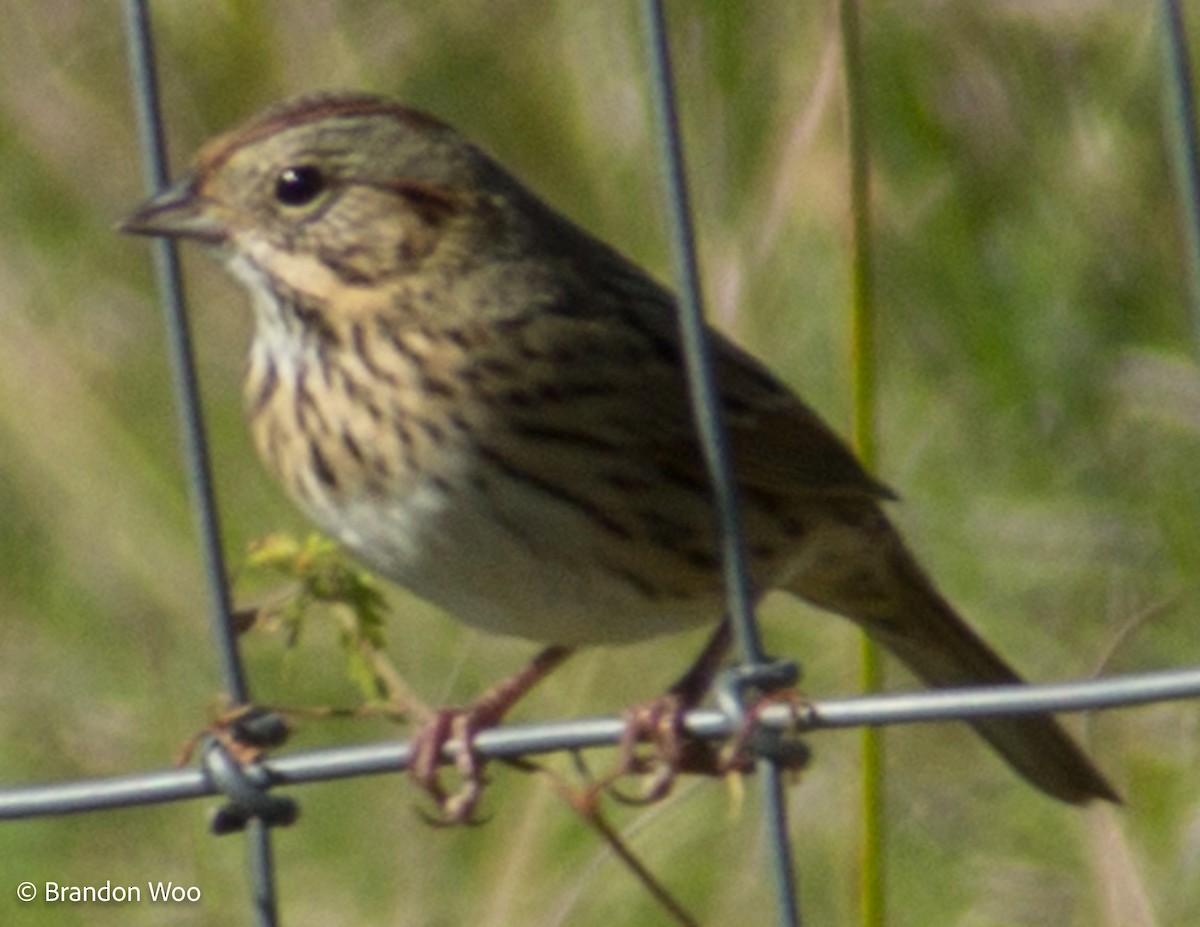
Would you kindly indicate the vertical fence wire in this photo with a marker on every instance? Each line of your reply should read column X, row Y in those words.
column 183, row 365
column 706, row 410
column 697, row 353
column 195, row 442
column 1182, row 89
column 260, row 866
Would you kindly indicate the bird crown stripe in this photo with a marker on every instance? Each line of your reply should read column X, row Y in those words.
column 298, row 112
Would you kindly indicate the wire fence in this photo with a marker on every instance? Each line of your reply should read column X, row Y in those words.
column 251, row 802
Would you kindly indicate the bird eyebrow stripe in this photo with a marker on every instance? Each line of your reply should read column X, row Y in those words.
column 433, row 202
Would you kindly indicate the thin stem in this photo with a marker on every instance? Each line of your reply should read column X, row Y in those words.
column 872, row 886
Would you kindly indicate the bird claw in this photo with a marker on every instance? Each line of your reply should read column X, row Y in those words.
column 674, row 752
column 752, row 740
column 659, row 722
column 460, row 727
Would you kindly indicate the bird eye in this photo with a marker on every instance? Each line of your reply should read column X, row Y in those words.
column 299, row 186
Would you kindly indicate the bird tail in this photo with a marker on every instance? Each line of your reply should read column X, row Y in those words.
column 891, row 598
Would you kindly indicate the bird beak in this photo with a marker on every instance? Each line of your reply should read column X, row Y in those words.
column 177, row 212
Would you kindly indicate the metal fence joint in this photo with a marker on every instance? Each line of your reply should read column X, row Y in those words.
column 247, row 790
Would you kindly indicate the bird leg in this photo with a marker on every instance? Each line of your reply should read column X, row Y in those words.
column 461, row 725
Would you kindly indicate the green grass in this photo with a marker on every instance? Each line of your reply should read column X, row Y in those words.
column 1037, row 391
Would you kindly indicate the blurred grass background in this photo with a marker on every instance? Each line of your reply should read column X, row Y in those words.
column 1040, row 413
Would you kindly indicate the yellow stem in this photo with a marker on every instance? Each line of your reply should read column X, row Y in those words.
column 872, row 884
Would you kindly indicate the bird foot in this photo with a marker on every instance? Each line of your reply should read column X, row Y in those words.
column 752, row 740
column 672, row 751
column 458, row 727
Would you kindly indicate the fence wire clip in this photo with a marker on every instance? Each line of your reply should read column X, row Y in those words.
column 247, row 790
column 743, row 692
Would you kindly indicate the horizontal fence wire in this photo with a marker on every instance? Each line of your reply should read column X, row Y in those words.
column 517, row 740
column 513, row 741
